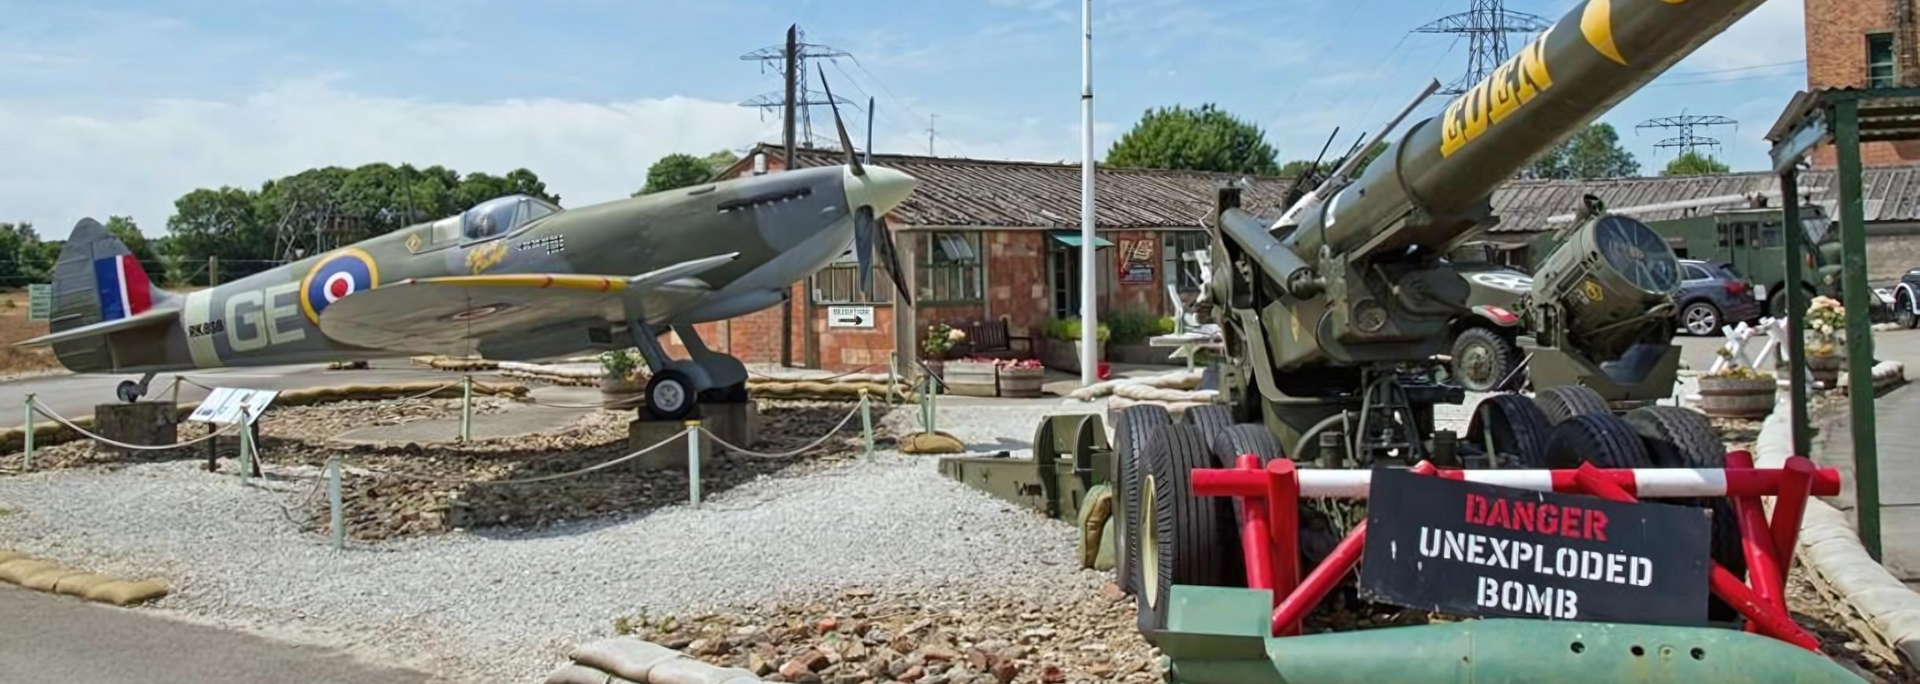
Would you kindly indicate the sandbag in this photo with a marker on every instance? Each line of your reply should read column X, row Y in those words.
column 624, row 657
column 575, row 673
column 46, row 579
column 124, row 593
column 81, row 583
column 16, row 571
column 931, row 443
column 1095, row 509
column 691, row 671
column 12, row 555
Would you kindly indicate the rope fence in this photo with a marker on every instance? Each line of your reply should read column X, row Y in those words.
column 337, row 467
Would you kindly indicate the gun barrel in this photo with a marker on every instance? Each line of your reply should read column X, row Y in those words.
column 1447, row 166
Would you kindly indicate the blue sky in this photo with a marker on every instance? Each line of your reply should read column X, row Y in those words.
column 120, row 107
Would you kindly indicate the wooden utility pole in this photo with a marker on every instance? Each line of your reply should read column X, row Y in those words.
column 786, row 133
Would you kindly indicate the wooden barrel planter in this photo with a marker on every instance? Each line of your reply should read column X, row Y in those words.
column 971, row 379
column 1824, row 371
column 1021, row 382
column 1737, row 397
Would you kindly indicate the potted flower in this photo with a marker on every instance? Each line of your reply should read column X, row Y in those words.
column 972, row 377
column 1826, row 339
column 621, row 371
column 1061, row 348
column 937, row 343
column 1021, row 377
column 1737, row 391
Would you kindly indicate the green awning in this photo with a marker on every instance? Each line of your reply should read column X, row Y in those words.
column 1073, row 239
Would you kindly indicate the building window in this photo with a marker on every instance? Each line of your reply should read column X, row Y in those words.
column 1880, row 60
column 839, row 283
column 1176, row 244
column 949, row 268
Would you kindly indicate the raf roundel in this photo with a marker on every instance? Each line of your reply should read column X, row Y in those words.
column 334, row 277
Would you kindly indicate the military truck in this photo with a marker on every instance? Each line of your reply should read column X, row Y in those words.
column 1753, row 241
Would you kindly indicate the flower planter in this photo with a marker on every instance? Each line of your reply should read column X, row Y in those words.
column 1143, row 354
column 1022, row 382
column 972, row 379
column 632, row 385
column 1065, row 354
column 1824, row 370
column 1737, row 397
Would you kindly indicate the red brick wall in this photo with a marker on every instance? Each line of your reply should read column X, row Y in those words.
column 1837, row 57
column 1017, row 279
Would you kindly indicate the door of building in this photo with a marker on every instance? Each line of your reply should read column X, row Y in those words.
column 1063, row 273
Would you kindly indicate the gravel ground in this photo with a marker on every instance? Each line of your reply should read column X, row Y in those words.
column 498, row 606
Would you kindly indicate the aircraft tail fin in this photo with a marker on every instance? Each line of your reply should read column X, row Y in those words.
column 97, row 281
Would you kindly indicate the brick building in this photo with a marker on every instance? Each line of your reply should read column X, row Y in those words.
column 985, row 240
column 1862, row 44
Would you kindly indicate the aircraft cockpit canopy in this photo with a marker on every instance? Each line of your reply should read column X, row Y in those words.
column 501, row 215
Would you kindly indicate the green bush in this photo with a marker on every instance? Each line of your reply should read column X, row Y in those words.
column 1068, row 329
column 1132, row 326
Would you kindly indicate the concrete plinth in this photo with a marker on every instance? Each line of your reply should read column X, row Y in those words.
column 146, row 423
column 733, row 422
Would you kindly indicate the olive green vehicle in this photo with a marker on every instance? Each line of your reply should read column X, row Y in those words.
column 514, row 278
column 1485, row 354
column 1332, row 318
column 1753, row 240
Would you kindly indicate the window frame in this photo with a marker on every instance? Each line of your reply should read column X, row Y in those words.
column 880, row 292
column 1891, row 65
column 968, row 276
column 1173, row 265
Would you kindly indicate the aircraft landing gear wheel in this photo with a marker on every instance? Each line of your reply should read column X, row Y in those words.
column 130, row 391
column 1903, row 311
column 1681, row 438
column 1562, row 403
column 670, row 395
column 1482, row 360
column 1512, row 430
column 1179, row 532
column 1130, row 432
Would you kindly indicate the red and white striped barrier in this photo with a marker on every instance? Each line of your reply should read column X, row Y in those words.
column 1645, row 483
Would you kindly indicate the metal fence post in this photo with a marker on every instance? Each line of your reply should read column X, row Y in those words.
column 933, row 404
column 866, row 421
column 693, row 462
column 246, row 443
column 27, row 433
column 466, row 408
column 337, row 521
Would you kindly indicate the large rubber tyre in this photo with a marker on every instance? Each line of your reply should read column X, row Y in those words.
column 1517, row 427
column 1700, row 319
column 1210, row 418
column 1602, row 439
column 1130, row 431
column 1561, row 403
column 1179, row 535
column 1682, row 438
column 670, row 395
column 1246, row 438
column 1483, row 360
column 1903, row 311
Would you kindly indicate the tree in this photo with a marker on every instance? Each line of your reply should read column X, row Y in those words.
column 1203, row 139
column 1298, row 168
column 719, row 161
column 1593, row 152
column 1691, row 163
column 676, row 171
column 137, row 244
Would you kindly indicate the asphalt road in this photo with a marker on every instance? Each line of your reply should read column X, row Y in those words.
column 76, row 395
column 48, row 638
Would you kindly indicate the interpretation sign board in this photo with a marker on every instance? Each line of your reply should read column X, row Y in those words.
column 849, row 316
column 1474, row 549
column 223, row 405
column 39, row 301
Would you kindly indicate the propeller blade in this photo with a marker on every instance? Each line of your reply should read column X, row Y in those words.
column 863, row 229
column 846, row 143
column 893, row 264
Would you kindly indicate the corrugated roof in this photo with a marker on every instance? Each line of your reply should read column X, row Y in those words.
column 974, row 192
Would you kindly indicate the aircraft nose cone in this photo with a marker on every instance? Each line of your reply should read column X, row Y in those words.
column 881, row 188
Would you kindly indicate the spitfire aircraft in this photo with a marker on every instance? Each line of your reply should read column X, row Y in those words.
column 513, row 278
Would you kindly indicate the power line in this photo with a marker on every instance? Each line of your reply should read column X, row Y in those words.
column 902, row 103
column 1744, row 68
column 774, row 58
column 1687, row 141
column 1714, row 81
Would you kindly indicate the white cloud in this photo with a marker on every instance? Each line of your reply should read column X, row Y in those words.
column 137, row 160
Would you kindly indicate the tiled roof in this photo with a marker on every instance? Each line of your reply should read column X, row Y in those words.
column 1892, row 194
column 973, row 192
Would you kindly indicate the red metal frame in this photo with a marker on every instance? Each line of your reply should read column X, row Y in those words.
column 1271, row 546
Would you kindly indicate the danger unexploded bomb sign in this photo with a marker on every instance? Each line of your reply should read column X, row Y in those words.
column 1474, row 549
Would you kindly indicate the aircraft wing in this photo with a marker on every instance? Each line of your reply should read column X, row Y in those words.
column 454, row 313
column 142, row 319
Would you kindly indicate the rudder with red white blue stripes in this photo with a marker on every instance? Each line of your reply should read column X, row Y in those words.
column 123, row 286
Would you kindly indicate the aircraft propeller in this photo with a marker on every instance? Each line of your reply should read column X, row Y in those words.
column 866, row 228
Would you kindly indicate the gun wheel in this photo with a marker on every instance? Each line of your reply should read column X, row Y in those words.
column 1130, row 430
column 1903, row 311
column 1178, row 531
column 1512, row 431
column 1483, row 360
column 1681, row 438
column 1562, row 403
